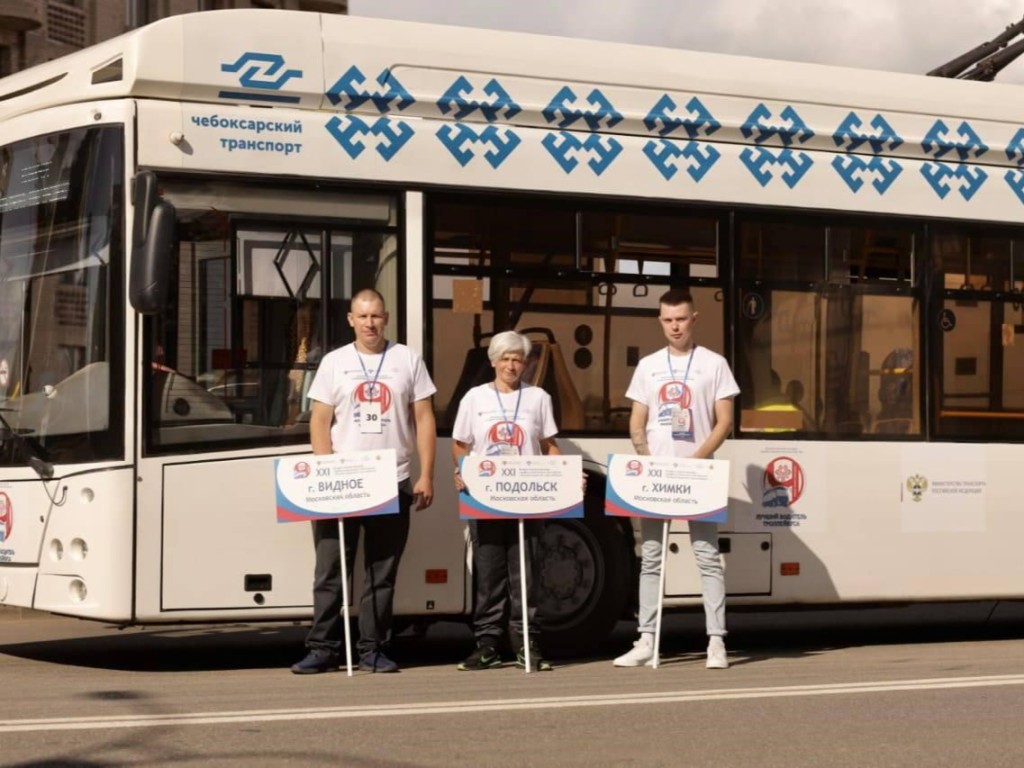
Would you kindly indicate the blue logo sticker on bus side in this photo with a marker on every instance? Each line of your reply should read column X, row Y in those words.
column 663, row 153
column 758, row 161
column 852, row 169
column 347, row 131
column 939, row 176
column 500, row 142
column 456, row 98
column 563, row 101
column 1015, row 153
column 263, row 72
column 563, row 146
column 791, row 130
column 700, row 121
column 347, row 92
column 850, row 137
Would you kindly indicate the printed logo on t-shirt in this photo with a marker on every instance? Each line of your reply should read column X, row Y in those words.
column 374, row 392
column 505, row 437
column 673, row 396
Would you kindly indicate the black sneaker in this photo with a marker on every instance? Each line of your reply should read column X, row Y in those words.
column 376, row 661
column 316, row 661
column 537, row 663
column 484, row 657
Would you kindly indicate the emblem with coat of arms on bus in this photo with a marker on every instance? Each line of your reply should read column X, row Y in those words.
column 6, row 517
column 782, row 483
column 917, row 485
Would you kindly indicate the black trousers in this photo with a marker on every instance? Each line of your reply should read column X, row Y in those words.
column 496, row 575
column 384, row 538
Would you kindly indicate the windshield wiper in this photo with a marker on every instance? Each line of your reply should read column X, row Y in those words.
column 41, row 467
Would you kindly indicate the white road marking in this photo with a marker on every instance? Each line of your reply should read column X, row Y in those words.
column 499, row 705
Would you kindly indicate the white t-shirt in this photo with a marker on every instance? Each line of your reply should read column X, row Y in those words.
column 347, row 378
column 691, row 383
column 513, row 427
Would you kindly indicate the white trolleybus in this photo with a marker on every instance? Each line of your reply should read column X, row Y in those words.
column 186, row 210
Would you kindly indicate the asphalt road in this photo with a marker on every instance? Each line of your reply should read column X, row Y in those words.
column 917, row 687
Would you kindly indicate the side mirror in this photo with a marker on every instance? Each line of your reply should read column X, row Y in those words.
column 152, row 246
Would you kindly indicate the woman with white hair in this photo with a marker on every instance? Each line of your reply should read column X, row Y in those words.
column 505, row 417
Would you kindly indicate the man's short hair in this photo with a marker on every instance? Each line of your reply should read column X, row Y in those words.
column 676, row 296
column 369, row 294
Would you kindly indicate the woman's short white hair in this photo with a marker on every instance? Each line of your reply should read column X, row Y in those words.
column 505, row 342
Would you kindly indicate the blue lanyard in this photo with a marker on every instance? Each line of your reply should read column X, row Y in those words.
column 519, row 399
column 671, row 372
column 366, row 373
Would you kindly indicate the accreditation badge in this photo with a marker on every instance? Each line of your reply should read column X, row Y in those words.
column 682, row 424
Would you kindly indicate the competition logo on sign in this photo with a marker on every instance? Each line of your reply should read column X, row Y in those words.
column 487, row 469
column 783, row 483
column 6, row 517
column 301, row 470
column 634, row 468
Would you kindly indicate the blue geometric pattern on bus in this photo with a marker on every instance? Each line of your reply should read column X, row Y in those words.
column 850, row 137
column 455, row 98
column 348, row 89
column 564, row 146
column 791, row 129
column 563, row 103
column 937, row 141
column 663, row 153
column 700, row 119
column 263, row 72
column 348, row 130
column 939, row 176
column 501, row 143
column 853, row 169
column 759, row 161
column 1015, row 153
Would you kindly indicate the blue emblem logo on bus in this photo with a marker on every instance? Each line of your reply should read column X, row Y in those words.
column 459, row 138
column 262, row 72
column 566, row 104
column 456, row 99
column 349, row 94
column 664, row 153
column 699, row 122
column 349, row 131
column 791, row 129
column 1015, row 153
column 759, row 161
column 565, row 148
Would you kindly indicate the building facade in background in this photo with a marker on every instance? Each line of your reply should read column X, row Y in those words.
column 36, row 31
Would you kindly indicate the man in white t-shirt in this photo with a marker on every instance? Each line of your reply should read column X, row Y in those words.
column 682, row 406
column 370, row 394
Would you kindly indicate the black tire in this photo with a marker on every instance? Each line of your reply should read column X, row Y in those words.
column 585, row 581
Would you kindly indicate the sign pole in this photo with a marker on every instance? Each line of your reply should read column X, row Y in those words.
column 656, row 659
column 344, row 597
column 522, row 591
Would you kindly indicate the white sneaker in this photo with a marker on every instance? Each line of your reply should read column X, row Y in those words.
column 641, row 653
column 717, row 658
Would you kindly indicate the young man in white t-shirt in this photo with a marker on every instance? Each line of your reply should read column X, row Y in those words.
column 682, row 406
column 370, row 394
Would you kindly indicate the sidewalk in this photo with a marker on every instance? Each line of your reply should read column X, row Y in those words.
column 10, row 613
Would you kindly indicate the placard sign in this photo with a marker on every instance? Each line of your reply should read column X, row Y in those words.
column 667, row 487
column 311, row 487
column 509, row 487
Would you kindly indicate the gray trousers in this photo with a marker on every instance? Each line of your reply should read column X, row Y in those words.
column 384, row 538
column 496, row 576
column 704, row 539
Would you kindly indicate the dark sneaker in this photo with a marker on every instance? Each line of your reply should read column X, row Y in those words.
column 376, row 661
column 537, row 662
column 484, row 657
column 316, row 661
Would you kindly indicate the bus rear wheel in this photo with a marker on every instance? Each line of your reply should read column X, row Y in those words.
column 584, row 574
